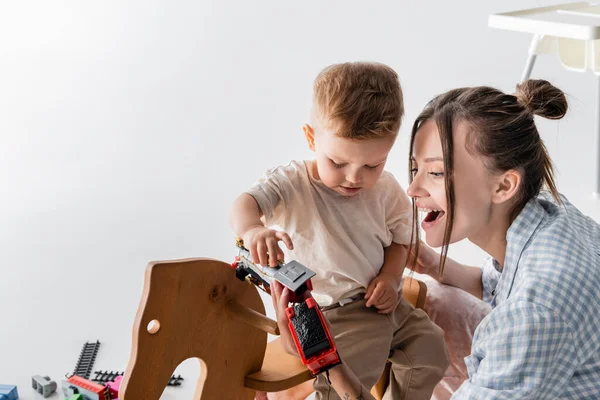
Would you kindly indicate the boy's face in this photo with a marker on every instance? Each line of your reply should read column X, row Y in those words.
column 345, row 165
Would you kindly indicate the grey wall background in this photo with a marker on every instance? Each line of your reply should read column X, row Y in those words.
column 128, row 128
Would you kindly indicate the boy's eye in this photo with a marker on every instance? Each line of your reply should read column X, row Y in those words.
column 372, row 166
column 336, row 165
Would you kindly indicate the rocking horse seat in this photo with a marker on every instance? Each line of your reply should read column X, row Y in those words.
column 279, row 371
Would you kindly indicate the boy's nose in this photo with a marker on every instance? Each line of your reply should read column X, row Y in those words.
column 354, row 177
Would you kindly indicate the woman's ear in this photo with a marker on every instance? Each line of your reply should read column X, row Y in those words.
column 309, row 134
column 507, row 186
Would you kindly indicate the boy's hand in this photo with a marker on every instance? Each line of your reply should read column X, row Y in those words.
column 383, row 293
column 263, row 246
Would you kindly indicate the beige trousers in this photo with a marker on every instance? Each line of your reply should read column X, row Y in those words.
column 365, row 339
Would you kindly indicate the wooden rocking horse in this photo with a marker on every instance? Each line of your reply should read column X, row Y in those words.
column 197, row 308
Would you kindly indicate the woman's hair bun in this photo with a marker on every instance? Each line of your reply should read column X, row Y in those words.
column 542, row 98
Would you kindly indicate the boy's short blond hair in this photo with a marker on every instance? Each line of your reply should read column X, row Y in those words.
column 359, row 100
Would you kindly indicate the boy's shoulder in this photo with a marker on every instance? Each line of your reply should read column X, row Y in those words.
column 389, row 191
column 388, row 182
column 295, row 169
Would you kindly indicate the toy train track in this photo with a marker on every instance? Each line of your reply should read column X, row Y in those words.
column 86, row 359
column 106, row 376
column 175, row 381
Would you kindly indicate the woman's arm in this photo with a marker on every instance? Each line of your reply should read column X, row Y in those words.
column 346, row 384
column 463, row 277
column 455, row 274
column 343, row 380
column 523, row 351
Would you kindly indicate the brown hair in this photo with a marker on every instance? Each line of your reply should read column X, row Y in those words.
column 360, row 100
column 501, row 130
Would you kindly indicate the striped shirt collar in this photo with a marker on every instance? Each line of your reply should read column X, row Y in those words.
column 519, row 234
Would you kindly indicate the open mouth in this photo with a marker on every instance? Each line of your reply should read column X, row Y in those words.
column 431, row 217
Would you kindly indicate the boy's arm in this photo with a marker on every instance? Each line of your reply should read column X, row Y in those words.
column 245, row 220
column 399, row 215
column 394, row 262
column 245, row 214
column 383, row 290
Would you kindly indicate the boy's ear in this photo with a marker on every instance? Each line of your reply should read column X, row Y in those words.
column 309, row 134
column 507, row 186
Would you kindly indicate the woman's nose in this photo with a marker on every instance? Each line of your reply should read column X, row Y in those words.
column 415, row 189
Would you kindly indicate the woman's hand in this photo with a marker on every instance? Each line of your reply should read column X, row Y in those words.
column 281, row 301
column 428, row 262
column 343, row 380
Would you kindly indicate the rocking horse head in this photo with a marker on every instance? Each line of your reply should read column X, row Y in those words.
column 196, row 308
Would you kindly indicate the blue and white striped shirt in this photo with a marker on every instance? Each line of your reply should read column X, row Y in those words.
column 542, row 339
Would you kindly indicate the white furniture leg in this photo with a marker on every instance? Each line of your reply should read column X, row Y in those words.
column 535, row 41
column 597, row 191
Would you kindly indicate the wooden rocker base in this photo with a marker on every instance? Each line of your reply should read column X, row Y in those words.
column 197, row 308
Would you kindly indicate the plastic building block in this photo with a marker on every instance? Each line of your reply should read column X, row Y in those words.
column 88, row 389
column 43, row 385
column 76, row 397
column 8, row 392
column 86, row 359
column 113, row 387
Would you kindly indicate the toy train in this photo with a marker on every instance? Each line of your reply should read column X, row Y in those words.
column 292, row 275
column 312, row 337
column 306, row 322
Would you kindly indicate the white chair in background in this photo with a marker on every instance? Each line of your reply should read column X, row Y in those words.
column 572, row 32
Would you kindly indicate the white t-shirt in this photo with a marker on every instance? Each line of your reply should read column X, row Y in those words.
column 341, row 238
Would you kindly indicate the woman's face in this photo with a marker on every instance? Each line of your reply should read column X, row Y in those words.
column 473, row 186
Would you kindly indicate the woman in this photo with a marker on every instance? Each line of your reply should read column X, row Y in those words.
column 478, row 165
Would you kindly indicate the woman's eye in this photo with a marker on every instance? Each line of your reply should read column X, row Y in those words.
column 436, row 174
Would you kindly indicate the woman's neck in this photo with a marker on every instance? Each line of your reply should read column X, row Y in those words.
column 492, row 238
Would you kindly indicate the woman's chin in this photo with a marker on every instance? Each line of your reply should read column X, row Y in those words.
column 433, row 241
